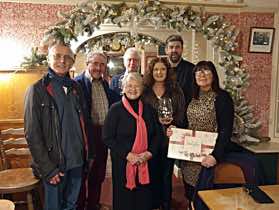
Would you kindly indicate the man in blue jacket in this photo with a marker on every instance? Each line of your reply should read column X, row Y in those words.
column 99, row 98
column 55, row 123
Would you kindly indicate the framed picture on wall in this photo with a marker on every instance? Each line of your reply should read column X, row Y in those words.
column 261, row 40
column 161, row 50
column 146, row 59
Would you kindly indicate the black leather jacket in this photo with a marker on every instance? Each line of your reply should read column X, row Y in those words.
column 42, row 127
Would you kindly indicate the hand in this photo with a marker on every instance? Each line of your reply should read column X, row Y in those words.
column 208, row 161
column 145, row 156
column 133, row 158
column 169, row 131
column 56, row 179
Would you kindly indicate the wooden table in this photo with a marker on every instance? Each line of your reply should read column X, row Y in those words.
column 6, row 205
column 238, row 199
column 263, row 147
column 268, row 153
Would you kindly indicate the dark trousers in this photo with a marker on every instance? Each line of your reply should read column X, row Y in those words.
column 246, row 161
column 166, row 189
column 162, row 180
column 64, row 195
column 136, row 199
column 92, row 186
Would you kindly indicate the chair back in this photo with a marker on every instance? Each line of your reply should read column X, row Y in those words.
column 12, row 133
column 228, row 173
column 15, row 153
column 16, row 158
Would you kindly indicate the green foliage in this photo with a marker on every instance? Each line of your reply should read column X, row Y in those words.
column 87, row 18
column 34, row 60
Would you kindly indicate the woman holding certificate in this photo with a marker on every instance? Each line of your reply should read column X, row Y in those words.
column 211, row 109
column 164, row 95
column 131, row 131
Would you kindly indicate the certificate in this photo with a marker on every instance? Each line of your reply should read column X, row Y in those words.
column 191, row 145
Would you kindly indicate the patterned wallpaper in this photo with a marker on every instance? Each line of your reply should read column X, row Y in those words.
column 258, row 65
column 25, row 23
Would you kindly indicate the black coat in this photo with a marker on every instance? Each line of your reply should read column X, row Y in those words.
column 119, row 135
column 184, row 77
column 225, row 117
column 42, row 127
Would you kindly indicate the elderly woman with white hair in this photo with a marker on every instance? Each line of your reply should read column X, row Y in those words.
column 132, row 133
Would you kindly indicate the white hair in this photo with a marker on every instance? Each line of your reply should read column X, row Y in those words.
column 132, row 76
column 128, row 52
column 51, row 48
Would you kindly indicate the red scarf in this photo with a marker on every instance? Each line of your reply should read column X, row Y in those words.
column 140, row 145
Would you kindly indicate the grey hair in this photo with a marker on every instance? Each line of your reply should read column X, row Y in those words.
column 129, row 51
column 132, row 76
column 72, row 54
column 94, row 53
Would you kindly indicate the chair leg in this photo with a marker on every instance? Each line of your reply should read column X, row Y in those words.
column 30, row 201
column 41, row 196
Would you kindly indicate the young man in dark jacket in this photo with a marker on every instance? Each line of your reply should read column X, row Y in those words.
column 99, row 98
column 55, row 128
column 183, row 68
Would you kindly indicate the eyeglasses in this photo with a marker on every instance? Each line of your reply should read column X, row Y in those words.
column 204, row 72
column 65, row 57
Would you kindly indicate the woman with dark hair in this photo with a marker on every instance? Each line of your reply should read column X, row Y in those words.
column 212, row 110
column 160, row 84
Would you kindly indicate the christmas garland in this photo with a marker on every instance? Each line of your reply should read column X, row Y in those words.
column 86, row 18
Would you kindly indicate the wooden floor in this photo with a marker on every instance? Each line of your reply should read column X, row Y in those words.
column 178, row 200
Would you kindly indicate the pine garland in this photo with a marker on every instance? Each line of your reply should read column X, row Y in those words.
column 87, row 18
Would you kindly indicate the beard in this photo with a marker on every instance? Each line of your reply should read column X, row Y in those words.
column 174, row 57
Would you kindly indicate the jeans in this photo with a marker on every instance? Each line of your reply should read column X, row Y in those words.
column 64, row 195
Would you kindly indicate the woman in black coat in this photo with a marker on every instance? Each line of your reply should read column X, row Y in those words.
column 131, row 131
column 212, row 110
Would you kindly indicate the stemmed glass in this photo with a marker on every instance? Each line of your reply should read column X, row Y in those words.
column 165, row 111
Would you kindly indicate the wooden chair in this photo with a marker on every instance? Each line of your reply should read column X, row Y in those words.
column 17, row 154
column 228, row 173
column 12, row 133
column 17, row 176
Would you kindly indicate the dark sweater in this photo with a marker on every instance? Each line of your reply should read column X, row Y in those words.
column 71, row 138
column 120, row 130
column 184, row 77
column 178, row 103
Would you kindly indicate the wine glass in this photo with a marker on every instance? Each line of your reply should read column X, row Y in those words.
column 165, row 111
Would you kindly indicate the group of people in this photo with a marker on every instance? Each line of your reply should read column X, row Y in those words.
column 71, row 123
